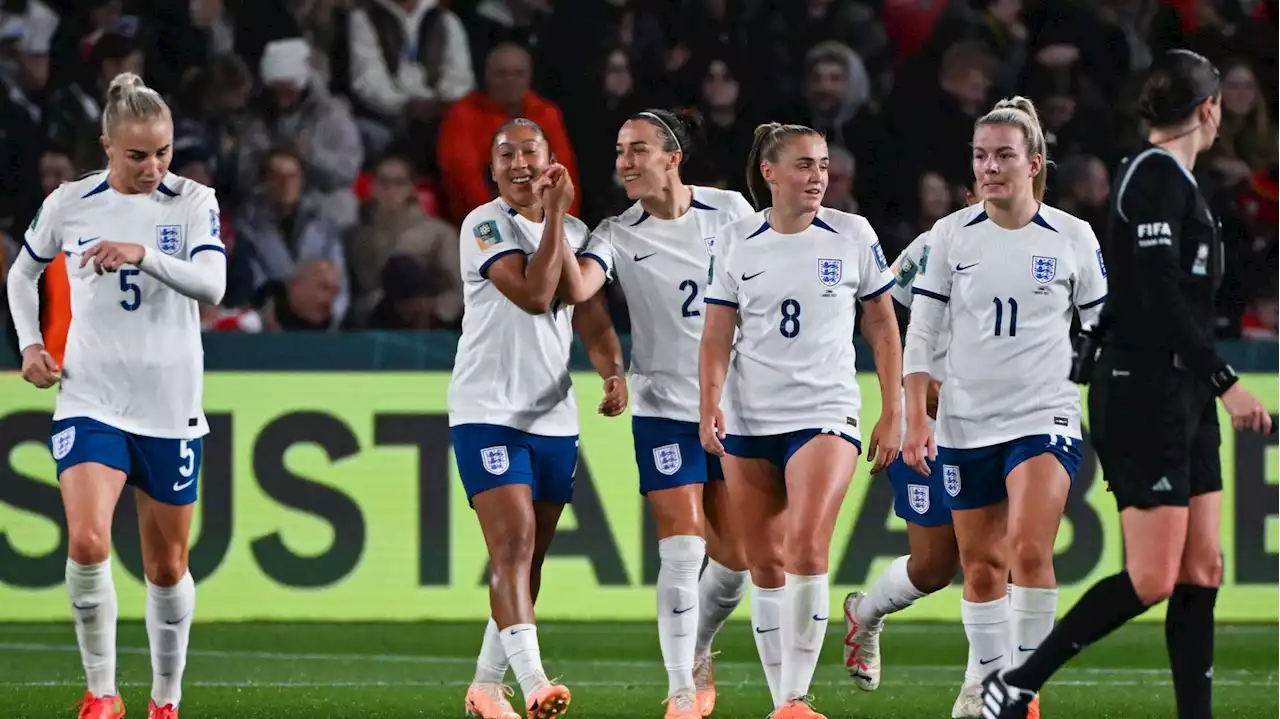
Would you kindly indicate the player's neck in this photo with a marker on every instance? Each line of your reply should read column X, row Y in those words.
column 1015, row 215
column 119, row 185
column 674, row 201
column 787, row 222
column 1182, row 145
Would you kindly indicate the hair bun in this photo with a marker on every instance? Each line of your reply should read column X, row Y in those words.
column 123, row 83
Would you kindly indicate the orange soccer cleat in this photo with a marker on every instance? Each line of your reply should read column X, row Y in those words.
column 1033, row 709
column 704, row 682
column 488, row 700
column 92, row 707
column 682, row 706
column 168, row 711
column 801, row 708
column 548, row 702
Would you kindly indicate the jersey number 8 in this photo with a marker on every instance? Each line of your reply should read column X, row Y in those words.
column 129, row 287
column 790, row 325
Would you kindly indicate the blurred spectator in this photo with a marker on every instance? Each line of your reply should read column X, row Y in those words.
column 727, row 123
column 74, row 117
column 785, row 37
column 56, row 168
column 494, row 22
column 593, row 127
column 210, row 113
column 24, row 73
column 393, row 224
column 468, row 130
column 410, row 297
column 409, row 63
column 840, row 176
column 283, row 227
column 994, row 25
column 934, row 200
column 1262, row 318
column 1083, row 189
column 1246, row 137
column 298, row 110
column 303, row 301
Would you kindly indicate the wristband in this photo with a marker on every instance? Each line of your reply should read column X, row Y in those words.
column 1223, row 379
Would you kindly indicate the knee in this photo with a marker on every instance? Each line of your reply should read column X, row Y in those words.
column 985, row 576
column 89, row 545
column 768, row 568
column 1030, row 558
column 732, row 555
column 932, row 572
column 513, row 548
column 806, row 557
column 1154, row 584
column 166, row 571
column 1203, row 569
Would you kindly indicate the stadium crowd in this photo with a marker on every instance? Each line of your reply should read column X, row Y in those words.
column 347, row 138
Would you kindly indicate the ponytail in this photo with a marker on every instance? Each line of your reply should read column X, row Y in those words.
column 129, row 99
column 764, row 148
column 1021, row 113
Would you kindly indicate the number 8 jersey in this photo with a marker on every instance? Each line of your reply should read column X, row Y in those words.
column 1011, row 296
column 793, row 367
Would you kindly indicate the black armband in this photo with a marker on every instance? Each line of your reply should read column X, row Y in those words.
column 1222, row 379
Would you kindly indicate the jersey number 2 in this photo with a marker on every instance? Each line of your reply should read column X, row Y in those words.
column 1013, row 316
column 129, row 287
column 692, row 288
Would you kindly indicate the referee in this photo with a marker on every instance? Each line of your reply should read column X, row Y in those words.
column 1152, row 406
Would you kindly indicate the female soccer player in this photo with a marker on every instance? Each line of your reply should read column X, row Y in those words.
column 512, row 415
column 1152, row 404
column 659, row 250
column 780, row 316
column 145, row 252
column 1012, row 272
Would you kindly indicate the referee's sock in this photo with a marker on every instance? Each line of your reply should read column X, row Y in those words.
column 1188, row 632
column 1103, row 609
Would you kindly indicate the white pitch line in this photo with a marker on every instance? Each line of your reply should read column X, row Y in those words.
column 608, row 684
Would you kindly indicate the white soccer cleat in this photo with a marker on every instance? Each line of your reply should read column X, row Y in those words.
column 861, row 646
column 969, row 704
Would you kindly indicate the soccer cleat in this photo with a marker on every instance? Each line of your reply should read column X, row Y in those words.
column 969, row 704
column 168, row 711
column 488, row 700
column 704, row 681
column 861, row 646
column 1003, row 701
column 1033, row 709
column 92, row 707
column 683, row 705
column 548, row 702
column 798, row 708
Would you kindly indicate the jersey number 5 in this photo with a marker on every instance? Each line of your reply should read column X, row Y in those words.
column 129, row 287
column 1013, row 316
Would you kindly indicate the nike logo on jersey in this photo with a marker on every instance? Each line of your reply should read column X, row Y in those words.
column 1026, row 649
column 746, row 277
column 817, row 618
column 962, row 268
column 985, row 662
column 82, row 243
column 638, row 258
column 179, row 487
column 765, row 631
column 681, row 611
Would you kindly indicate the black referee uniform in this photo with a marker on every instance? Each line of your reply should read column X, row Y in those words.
column 1152, row 403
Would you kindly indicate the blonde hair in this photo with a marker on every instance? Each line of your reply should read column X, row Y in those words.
column 130, row 100
column 1021, row 113
column 768, row 138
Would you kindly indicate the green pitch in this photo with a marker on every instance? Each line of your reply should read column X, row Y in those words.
column 388, row 671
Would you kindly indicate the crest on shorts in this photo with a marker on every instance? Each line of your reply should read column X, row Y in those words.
column 1044, row 269
column 169, row 238
column 918, row 496
column 830, row 271
column 495, row 460
column 62, row 442
column 951, row 479
column 667, row 459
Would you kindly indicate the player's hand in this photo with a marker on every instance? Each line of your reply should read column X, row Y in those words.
column 39, row 367
column 557, row 191
column 711, row 431
column 615, row 397
column 886, row 442
column 1245, row 410
column 109, row 256
column 919, row 448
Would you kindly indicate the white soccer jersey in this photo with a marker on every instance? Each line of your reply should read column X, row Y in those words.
column 1010, row 295
column 662, row 267
column 134, row 358
column 911, row 263
column 512, row 368
column 793, row 367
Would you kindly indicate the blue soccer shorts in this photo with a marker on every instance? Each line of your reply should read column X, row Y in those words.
column 778, row 448
column 917, row 499
column 975, row 478
column 669, row 454
column 491, row 456
column 168, row 470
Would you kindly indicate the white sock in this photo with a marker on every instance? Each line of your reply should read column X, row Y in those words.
column 94, row 610
column 1034, row 611
column 520, row 642
column 892, row 592
column 986, row 624
column 766, row 625
column 681, row 558
column 169, row 611
column 492, row 665
column 804, row 625
column 720, row 591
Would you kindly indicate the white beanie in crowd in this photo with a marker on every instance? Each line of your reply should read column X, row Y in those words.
column 288, row 61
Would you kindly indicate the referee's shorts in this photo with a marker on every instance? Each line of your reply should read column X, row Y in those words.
column 1155, row 430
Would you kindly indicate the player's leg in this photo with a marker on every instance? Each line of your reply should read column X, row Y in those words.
column 819, row 469
column 723, row 583
column 759, row 500
column 92, row 462
column 1038, row 490
column 930, row 566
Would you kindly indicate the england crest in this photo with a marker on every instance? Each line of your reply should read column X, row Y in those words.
column 1044, row 269
column 169, row 238
column 667, row 459
column 951, row 479
column 62, row 442
column 495, row 460
column 830, row 271
column 918, row 496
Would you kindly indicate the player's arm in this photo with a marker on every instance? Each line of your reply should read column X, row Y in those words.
column 713, row 351
column 930, row 293
column 592, row 322
column 39, row 247
column 203, row 275
column 880, row 327
column 586, row 272
column 531, row 284
column 1090, row 291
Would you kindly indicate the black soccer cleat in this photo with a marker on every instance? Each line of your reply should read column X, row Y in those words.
column 1002, row 701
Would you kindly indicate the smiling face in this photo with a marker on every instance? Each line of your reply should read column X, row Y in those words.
column 1001, row 164
column 520, row 153
column 798, row 177
column 641, row 163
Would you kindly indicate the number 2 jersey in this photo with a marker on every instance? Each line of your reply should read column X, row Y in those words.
column 134, row 358
column 793, row 365
column 662, row 268
column 1010, row 296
